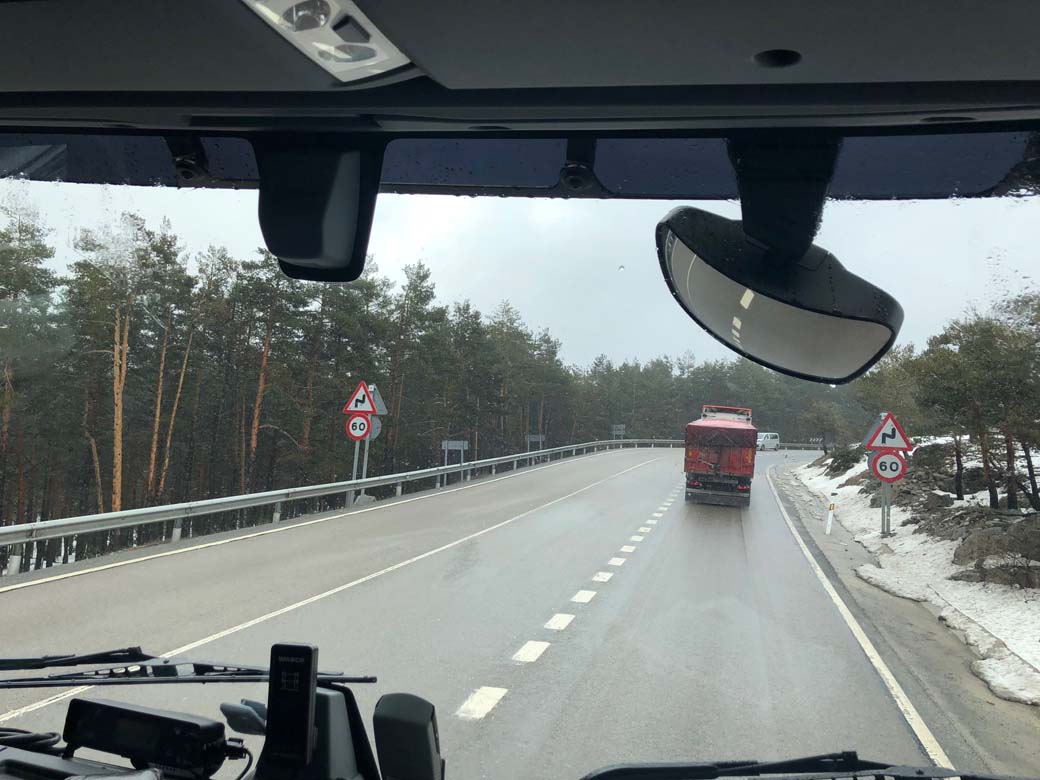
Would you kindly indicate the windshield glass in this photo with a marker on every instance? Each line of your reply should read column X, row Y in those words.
column 601, row 571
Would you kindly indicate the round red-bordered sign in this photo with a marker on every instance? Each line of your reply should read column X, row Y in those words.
column 358, row 427
column 888, row 466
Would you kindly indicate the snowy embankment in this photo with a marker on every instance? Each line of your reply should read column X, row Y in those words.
column 1000, row 623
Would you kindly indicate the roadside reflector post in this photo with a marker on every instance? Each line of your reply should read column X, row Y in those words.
column 493, row 469
column 175, row 534
column 830, row 519
column 277, row 512
column 399, row 489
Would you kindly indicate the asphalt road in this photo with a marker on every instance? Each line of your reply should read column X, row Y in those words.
column 561, row 618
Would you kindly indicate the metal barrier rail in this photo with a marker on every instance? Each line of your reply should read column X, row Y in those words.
column 54, row 529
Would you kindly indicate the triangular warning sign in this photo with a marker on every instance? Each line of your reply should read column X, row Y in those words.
column 889, row 435
column 360, row 401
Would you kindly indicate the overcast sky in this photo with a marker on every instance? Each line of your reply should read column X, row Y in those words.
column 587, row 270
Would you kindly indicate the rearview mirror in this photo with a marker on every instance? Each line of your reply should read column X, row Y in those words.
column 807, row 317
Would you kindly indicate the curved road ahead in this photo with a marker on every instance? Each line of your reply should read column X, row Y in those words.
column 561, row 618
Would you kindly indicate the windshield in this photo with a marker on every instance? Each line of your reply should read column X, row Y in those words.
column 602, row 570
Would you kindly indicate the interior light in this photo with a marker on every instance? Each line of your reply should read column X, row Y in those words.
column 308, row 15
column 334, row 34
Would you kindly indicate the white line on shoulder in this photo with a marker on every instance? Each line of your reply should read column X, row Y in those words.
column 910, row 714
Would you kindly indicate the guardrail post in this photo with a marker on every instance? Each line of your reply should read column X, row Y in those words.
column 399, row 489
column 14, row 560
column 175, row 534
column 277, row 512
column 494, row 469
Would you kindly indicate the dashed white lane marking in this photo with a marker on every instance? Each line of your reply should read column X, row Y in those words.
column 583, row 596
column 530, row 652
column 332, row 591
column 278, row 530
column 559, row 621
column 644, row 529
column 658, row 514
column 602, row 576
column 616, row 561
column 636, row 538
column 651, row 522
column 480, row 702
column 906, row 707
column 627, row 548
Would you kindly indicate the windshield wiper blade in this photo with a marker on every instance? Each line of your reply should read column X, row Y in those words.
column 845, row 764
column 159, row 671
column 127, row 655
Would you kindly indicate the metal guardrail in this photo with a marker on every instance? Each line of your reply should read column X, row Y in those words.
column 109, row 521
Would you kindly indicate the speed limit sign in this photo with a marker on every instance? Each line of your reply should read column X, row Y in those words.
column 888, row 466
column 358, row 426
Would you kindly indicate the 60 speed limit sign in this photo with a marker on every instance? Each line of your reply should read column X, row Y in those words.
column 888, row 466
column 358, row 426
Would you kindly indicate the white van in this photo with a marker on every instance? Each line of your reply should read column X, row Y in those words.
column 769, row 441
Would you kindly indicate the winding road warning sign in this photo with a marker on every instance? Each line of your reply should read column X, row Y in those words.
column 889, row 436
column 361, row 401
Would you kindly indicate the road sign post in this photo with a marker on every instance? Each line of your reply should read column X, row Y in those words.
column 375, row 425
column 353, row 473
column 461, row 445
column 535, row 438
column 617, row 431
column 887, row 441
column 363, row 425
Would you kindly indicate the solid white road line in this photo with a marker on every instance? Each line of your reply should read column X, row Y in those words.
column 283, row 528
column 583, row 596
column 602, row 576
column 338, row 589
column 645, row 529
column 910, row 714
column 480, row 703
column 611, row 562
column 559, row 621
column 635, row 538
column 530, row 652
column 627, row 548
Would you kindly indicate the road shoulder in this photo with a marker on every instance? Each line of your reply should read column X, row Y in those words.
column 977, row 729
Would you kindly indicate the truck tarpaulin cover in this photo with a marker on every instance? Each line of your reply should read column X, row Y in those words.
column 721, row 433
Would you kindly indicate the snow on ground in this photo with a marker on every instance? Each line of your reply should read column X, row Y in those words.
column 1000, row 623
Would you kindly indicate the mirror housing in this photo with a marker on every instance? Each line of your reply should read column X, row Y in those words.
column 407, row 740
column 804, row 316
column 316, row 205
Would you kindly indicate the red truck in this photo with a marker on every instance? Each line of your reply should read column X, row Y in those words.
column 720, row 456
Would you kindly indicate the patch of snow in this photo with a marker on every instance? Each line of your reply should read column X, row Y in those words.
column 891, row 582
column 924, row 441
column 1000, row 623
column 822, row 483
column 1010, row 678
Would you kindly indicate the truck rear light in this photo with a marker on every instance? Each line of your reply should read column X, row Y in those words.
column 743, row 487
column 695, row 484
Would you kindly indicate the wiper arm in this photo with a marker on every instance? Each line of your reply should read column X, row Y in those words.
column 127, row 655
column 154, row 670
